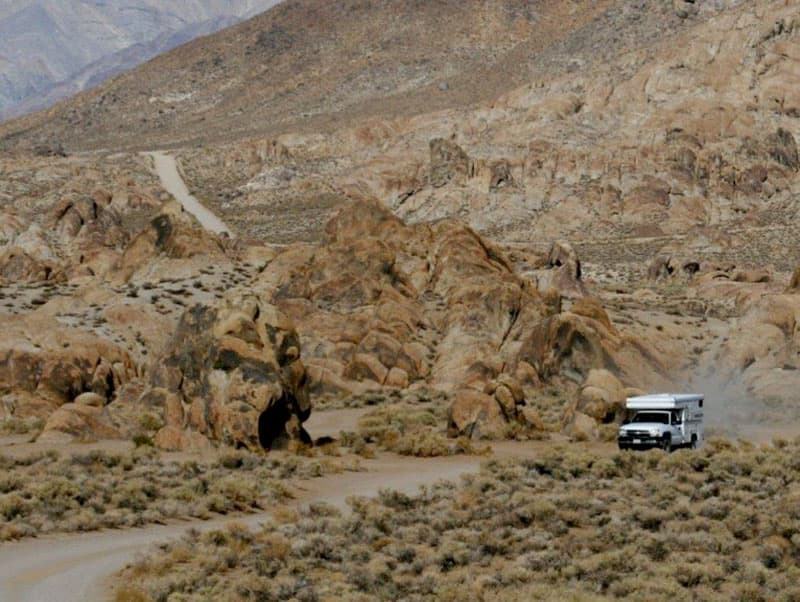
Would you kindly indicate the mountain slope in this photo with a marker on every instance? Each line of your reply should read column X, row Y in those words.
column 46, row 46
column 307, row 63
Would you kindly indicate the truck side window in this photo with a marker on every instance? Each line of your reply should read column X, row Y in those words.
column 676, row 418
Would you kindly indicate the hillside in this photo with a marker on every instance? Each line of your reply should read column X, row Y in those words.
column 312, row 65
column 51, row 49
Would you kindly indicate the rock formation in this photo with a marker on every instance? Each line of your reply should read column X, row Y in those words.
column 62, row 375
column 232, row 374
column 170, row 235
column 385, row 304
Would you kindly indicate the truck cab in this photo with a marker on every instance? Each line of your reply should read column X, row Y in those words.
column 665, row 420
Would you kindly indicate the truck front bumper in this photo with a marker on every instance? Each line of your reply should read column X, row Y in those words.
column 638, row 442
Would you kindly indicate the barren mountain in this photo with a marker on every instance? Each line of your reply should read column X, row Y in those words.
column 50, row 50
column 310, row 64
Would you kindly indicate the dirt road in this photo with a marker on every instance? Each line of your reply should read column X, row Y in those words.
column 167, row 170
column 79, row 567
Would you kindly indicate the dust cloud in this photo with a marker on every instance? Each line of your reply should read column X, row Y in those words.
column 732, row 411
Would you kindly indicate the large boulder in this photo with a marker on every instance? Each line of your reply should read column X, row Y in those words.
column 476, row 415
column 170, row 235
column 237, row 374
column 493, row 412
column 602, row 396
column 78, row 422
column 562, row 273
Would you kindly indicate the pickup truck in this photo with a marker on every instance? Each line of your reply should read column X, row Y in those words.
column 665, row 420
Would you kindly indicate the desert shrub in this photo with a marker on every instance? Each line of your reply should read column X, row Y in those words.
column 42, row 492
column 141, row 439
column 150, row 422
column 562, row 525
column 407, row 429
column 21, row 426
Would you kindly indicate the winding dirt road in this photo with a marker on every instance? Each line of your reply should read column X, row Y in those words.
column 78, row 567
column 167, row 170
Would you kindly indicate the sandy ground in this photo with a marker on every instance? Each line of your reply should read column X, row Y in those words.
column 167, row 170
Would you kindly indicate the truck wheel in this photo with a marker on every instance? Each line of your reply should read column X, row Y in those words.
column 695, row 443
column 666, row 443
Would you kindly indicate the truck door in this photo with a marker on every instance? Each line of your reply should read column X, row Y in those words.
column 678, row 424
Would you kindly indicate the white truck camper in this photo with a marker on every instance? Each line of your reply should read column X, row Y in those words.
column 665, row 420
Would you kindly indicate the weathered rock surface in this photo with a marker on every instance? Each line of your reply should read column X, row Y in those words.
column 232, row 374
column 763, row 348
column 385, row 304
column 562, row 273
column 78, row 422
column 171, row 235
column 40, row 357
column 77, row 217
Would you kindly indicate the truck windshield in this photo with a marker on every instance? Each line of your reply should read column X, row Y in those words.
column 660, row 417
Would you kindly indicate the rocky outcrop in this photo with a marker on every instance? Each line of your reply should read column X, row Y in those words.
column 501, row 176
column 492, row 413
column 562, row 272
column 660, row 268
column 40, row 357
column 17, row 265
column 91, row 232
column 663, row 267
column 573, row 345
column 232, row 374
column 170, row 235
column 64, row 376
column 27, row 256
column 78, row 422
column 385, row 304
column 761, row 352
column 448, row 162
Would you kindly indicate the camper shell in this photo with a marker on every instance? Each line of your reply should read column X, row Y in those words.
column 665, row 420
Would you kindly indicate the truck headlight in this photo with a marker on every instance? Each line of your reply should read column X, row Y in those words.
column 654, row 432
